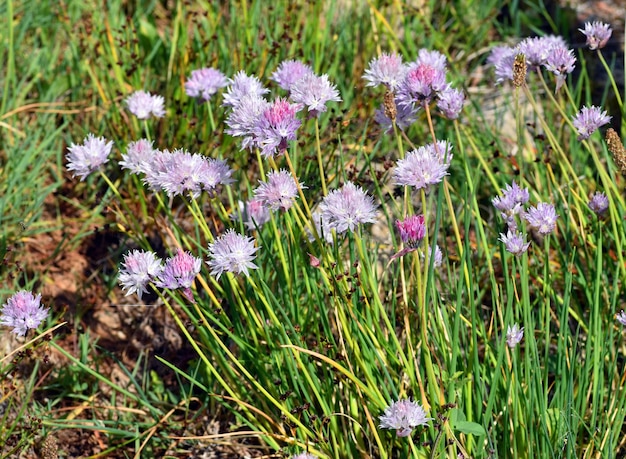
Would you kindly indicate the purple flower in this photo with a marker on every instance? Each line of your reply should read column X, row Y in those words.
column 514, row 335
column 203, row 83
column 542, row 218
column 279, row 191
column 344, row 209
column 23, row 311
column 405, row 116
column 86, row 158
column 232, row 252
column 621, row 317
column 387, row 69
column 138, row 269
column 502, row 58
column 138, row 156
column 424, row 167
column 303, row 456
column 438, row 257
column 537, row 49
column 597, row 33
column 560, row 61
column 142, row 104
column 324, row 231
column 275, row 127
column 243, row 85
column 514, row 242
column 253, row 213
column 179, row 271
column 588, row 120
column 450, row 102
column 512, row 200
column 599, row 203
column 244, row 118
column 403, row 416
column 288, row 72
column 314, row 92
column 412, row 230
column 421, row 84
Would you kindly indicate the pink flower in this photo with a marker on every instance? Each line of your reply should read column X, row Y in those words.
column 23, row 311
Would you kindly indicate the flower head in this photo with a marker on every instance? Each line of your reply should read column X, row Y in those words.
column 243, row 85
column 537, row 49
column 424, row 167
column 599, row 203
column 438, row 257
column 542, row 218
column 244, row 118
column 142, row 104
column 421, row 84
column 502, row 58
column 279, row 191
column 387, row 69
column 203, row 83
column 514, row 242
column 138, row 269
column 403, row 416
column 314, row 92
column 288, row 72
column 512, row 200
column 412, row 230
column 232, row 252
column 253, row 213
column 450, row 102
column 303, row 456
column 276, row 126
column 588, row 120
column 23, row 311
column 179, row 271
column 514, row 335
column 405, row 116
column 560, row 61
column 344, row 209
column 621, row 317
column 138, row 156
column 597, row 33
column 86, row 158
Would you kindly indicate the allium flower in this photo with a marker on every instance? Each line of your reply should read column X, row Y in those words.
column 597, row 33
column 450, row 102
column 253, row 213
column 423, row 167
column 275, row 127
column 203, row 83
column 232, row 252
column 502, row 58
column 560, row 61
column 279, row 191
column 347, row 207
column 438, row 257
column 542, row 218
column 138, row 156
column 314, row 92
column 179, row 271
column 421, row 84
column 23, row 311
column 621, row 317
column 537, row 49
column 514, row 335
column 599, row 203
column 405, row 116
column 243, row 85
column 514, row 242
column 324, row 231
column 412, row 230
column 138, row 269
column 403, row 416
column 303, row 456
column 142, row 104
column 288, row 72
column 244, row 118
column 86, row 158
column 387, row 69
column 588, row 120
column 512, row 200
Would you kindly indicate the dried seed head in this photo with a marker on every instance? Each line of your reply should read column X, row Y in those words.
column 390, row 106
column 616, row 147
column 519, row 70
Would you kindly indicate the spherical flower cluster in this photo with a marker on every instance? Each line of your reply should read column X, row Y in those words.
column 143, row 105
column 412, row 230
column 204, row 83
column 232, row 252
column 253, row 213
column 244, row 117
column 23, row 311
column 86, row 158
column 279, row 192
column 438, row 257
column 597, row 33
column 541, row 218
column 514, row 335
column 621, row 317
column 511, row 203
column 138, row 269
column 588, row 120
column 387, row 70
column 344, row 209
column 403, row 416
column 514, row 242
column 314, row 92
column 424, row 167
column 138, row 156
column 276, row 126
column 243, row 85
column 179, row 271
column 599, row 203
column 288, row 72
column 424, row 79
column 450, row 103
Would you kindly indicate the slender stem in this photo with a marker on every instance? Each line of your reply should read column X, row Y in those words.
column 320, row 163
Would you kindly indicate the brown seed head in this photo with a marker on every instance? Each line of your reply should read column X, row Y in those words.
column 519, row 70
column 390, row 106
column 616, row 147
